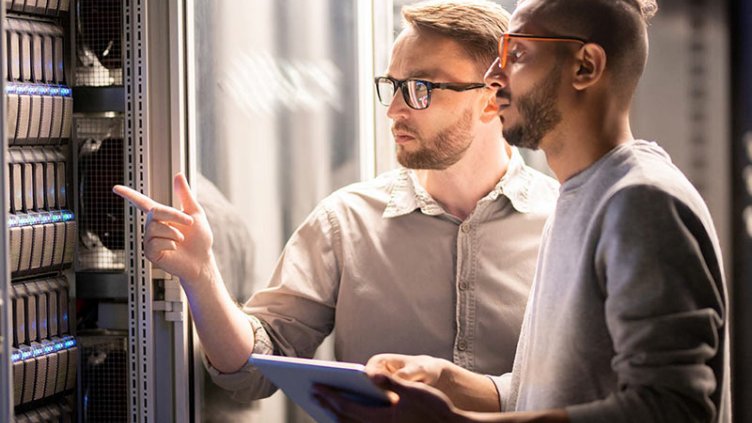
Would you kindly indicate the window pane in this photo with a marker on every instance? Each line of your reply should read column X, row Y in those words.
column 277, row 127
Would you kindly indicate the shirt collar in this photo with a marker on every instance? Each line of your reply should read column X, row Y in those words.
column 407, row 194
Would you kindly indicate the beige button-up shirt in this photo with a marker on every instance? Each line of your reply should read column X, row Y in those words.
column 385, row 265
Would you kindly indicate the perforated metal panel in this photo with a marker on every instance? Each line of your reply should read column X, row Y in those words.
column 99, row 29
column 104, row 378
column 140, row 348
column 100, row 157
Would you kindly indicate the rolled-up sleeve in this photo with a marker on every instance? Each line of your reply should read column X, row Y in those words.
column 503, row 385
column 665, row 310
column 294, row 314
column 247, row 383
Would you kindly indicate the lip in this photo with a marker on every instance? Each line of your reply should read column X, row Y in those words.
column 503, row 106
column 401, row 137
column 502, row 102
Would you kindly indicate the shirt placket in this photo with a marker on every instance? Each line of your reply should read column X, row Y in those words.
column 465, row 286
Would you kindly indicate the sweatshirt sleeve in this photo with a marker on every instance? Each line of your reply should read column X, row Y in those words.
column 665, row 310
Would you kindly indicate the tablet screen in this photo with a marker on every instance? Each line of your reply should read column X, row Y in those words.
column 296, row 376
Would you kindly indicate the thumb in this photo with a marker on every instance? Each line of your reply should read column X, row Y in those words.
column 185, row 195
column 411, row 372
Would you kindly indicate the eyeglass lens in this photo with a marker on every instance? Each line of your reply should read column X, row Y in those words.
column 415, row 93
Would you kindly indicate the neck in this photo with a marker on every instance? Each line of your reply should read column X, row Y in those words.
column 459, row 187
column 586, row 138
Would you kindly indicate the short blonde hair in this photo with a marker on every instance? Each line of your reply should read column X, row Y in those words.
column 476, row 25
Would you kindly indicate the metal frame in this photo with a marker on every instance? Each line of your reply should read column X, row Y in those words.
column 383, row 37
column 366, row 99
column 6, row 374
column 156, row 85
column 140, row 292
column 741, row 216
column 196, row 392
column 178, row 154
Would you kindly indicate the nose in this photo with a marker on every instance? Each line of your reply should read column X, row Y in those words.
column 397, row 108
column 495, row 77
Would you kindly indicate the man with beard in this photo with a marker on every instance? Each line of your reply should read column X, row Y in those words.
column 628, row 316
column 434, row 258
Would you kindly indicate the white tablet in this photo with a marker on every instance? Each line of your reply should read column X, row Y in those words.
column 296, row 376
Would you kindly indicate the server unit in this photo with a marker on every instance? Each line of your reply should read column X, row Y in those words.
column 42, row 231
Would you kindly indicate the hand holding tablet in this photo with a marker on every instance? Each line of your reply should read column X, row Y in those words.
column 296, row 377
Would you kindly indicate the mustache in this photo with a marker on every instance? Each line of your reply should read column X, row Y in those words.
column 403, row 127
column 503, row 94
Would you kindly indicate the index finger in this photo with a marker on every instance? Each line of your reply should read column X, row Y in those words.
column 388, row 363
column 142, row 202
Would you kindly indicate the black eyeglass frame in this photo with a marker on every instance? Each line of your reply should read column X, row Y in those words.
column 401, row 84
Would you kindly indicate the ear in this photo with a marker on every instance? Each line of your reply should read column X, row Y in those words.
column 591, row 64
column 490, row 108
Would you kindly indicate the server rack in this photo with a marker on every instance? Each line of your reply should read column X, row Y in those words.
column 90, row 332
column 40, row 222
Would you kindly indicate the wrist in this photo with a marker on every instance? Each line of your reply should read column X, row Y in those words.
column 205, row 276
column 447, row 375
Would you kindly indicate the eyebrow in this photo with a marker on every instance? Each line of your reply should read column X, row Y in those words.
column 427, row 75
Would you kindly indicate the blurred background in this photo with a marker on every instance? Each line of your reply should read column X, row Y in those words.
column 280, row 82
column 268, row 106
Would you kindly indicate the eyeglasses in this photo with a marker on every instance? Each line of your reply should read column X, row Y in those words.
column 504, row 43
column 416, row 92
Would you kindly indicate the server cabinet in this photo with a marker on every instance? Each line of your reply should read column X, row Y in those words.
column 92, row 97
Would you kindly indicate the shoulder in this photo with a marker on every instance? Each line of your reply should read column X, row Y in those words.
column 367, row 197
column 377, row 189
column 644, row 178
column 531, row 191
column 543, row 188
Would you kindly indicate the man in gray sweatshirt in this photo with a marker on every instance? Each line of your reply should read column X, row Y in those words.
column 627, row 320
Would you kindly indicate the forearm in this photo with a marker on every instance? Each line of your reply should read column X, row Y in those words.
column 468, row 390
column 225, row 333
column 546, row 416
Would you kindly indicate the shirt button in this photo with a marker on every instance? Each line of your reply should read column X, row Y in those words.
column 465, row 228
column 462, row 345
column 463, row 286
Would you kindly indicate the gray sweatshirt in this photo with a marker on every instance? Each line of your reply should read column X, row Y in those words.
column 627, row 318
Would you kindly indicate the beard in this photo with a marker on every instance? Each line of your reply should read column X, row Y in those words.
column 440, row 151
column 538, row 112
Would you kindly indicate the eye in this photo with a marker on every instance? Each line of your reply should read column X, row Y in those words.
column 515, row 55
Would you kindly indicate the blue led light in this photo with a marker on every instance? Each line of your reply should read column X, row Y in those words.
column 46, row 218
column 70, row 343
column 65, row 91
column 56, row 217
column 10, row 89
column 37, row 352
column 15, row 357
column 48, row 349
column 67, row 216
column 55, row 91
column 58, row 346
column 25, row 355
